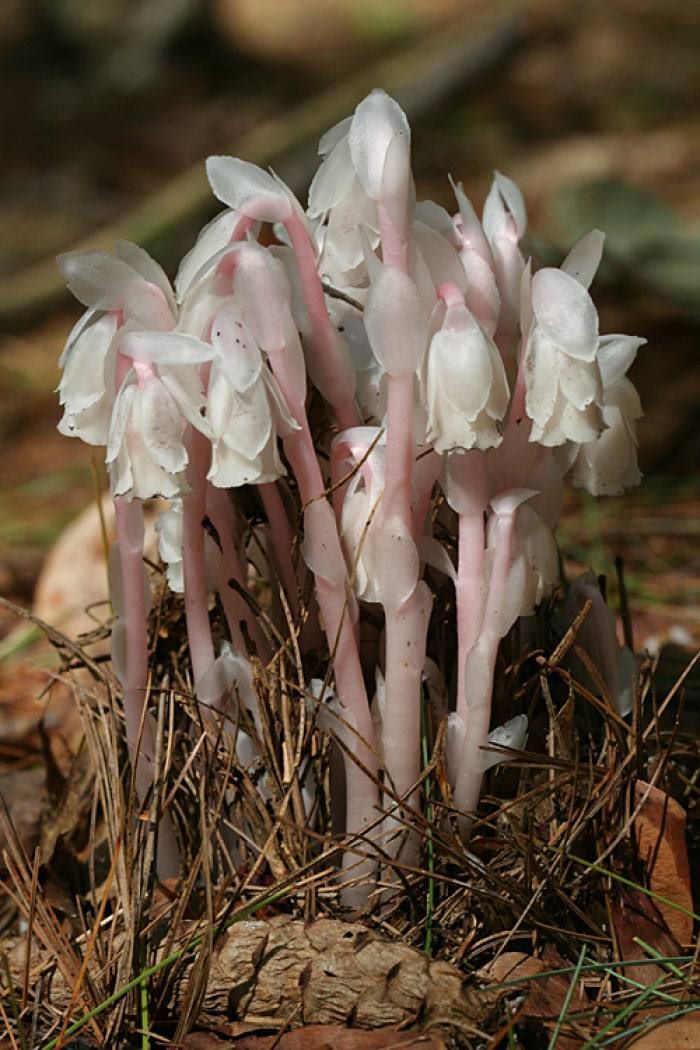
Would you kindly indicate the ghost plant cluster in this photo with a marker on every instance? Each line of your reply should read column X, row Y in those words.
column 460, row 388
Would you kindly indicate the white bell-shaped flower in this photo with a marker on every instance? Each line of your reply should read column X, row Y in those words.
column 245, row 409
column 161, row 393
column 125, row 289
column 564, row 385
column 466, row 386
column 366, row 163
column 87, row 386
column 607, row 465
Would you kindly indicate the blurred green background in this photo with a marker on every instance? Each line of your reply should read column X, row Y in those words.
column 592, row 111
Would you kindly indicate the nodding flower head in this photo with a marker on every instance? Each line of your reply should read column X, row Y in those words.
column 466, row 387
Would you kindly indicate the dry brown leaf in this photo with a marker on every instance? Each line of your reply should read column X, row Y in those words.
column 681, row 1034
column 636, row 917
column 661, row 844
column 545, row 998
column 23, row 793
column 328, row 1037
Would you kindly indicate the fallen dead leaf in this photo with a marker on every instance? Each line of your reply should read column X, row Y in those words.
column 320, row 1037
column 681, row 1034
column 635, row 917
column 545, row 998
column 661, row 845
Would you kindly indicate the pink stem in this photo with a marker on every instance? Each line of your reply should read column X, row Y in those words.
column 322, row 333
column 333, row 603
column 194, row 566
column 469, row 470
column 282, row 539
column 130, row 533
column 480, row 686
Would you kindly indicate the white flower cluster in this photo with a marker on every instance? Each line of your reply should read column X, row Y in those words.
column 445, row 359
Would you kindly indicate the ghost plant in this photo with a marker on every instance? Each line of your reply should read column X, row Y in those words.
column 459, row 383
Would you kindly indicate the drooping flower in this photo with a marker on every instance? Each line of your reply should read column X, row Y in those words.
column 126, row 289
column 466, row 386
column 245, row 408
column 564, row 385
column 366, row 164
column 160, row 394
column 607, row 465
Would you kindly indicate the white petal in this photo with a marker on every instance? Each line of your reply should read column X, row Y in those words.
column 378, row 122
column 121, row 414
column 98, row 279
column 239, row 359
column 162, row 426
column 616, row 354
column 565, row 312
column 150, row 270
column 214, row 237
column 84, row 381
column 584, row 258
column 332, row 182
column 248, row 189
column 165, row 348
column 396, row 321
column 504, row 198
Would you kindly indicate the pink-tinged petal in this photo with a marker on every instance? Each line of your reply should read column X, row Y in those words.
column 332, row 182
column 433, row 215
column 161, row 427
column 150, row 270
column 440, row 257
column 470, row 229
column 212, row 239
column 378, row 122
column 504, row 202
column 584, row 258
column 239, row 357
column 565, row 312
column 84, row 382
column 616, row 353
column 98, row 279
column 396, row 321
column 264, row 292
column 482, row 295
column 248, row 189
column 165, row 348
column 121, row 414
